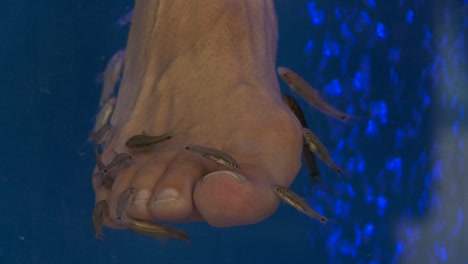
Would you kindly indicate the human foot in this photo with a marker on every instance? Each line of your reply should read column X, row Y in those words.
column 205, row 73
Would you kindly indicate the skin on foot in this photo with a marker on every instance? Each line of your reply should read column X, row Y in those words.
column 203, row 71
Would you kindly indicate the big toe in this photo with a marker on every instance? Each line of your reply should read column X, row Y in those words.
column 226, row 198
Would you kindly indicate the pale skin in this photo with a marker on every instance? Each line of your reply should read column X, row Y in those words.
column 204, row 71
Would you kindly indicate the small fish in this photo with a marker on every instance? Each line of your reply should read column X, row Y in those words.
column 103, row 170
column 142, row 141
column 102, row 136
column 295, row 108
column 298, row 202
column 100, row 213
column 215, row 155
column 125, row 199
column 311, row 164
column 125, row 19
column 319, row 149
column 111, row 75
column 157, row 231
column 119, row 159
column 104, row 114
column 309, row 158
column 312, row 96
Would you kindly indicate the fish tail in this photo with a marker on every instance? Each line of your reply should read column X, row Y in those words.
column 353, row 120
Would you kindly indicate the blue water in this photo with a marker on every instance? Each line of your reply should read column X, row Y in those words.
column 401, row 64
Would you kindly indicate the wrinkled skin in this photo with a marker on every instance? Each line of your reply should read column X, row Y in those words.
column 203, row 70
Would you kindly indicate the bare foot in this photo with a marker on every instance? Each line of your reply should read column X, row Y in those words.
column 203, row 71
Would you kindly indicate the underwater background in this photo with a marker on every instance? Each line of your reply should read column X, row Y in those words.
column 400, row 64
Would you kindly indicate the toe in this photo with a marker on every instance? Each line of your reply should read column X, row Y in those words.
column 145, row 181
column 226, row 198
column 172, row 197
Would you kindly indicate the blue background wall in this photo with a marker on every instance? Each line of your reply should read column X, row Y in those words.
column 401, row 64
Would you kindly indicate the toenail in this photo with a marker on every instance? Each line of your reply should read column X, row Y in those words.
column 236, row 176
column 168, row 194
column 142, row 196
